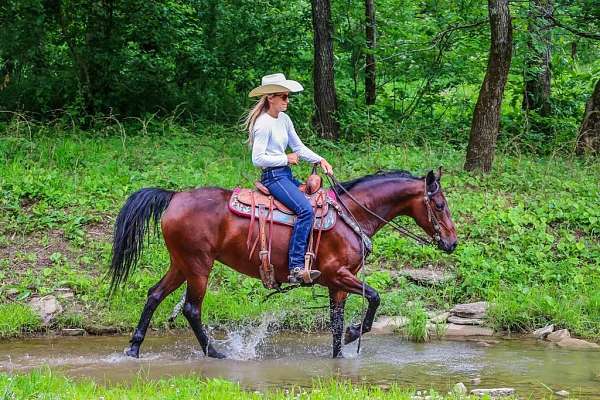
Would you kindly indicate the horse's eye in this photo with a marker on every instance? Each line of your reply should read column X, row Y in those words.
column 439, row 207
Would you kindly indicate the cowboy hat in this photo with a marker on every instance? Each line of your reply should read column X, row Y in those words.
column 276, row 83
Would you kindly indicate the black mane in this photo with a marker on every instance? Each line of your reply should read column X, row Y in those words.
column 379, row 175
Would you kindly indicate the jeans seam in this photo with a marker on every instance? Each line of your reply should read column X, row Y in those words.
column 289, row 195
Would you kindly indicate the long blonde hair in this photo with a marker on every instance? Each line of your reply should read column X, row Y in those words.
column 261, row 106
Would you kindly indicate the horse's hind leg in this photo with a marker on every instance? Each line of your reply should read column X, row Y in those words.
column 171, row 281
column 192, row 310
column 337, row 300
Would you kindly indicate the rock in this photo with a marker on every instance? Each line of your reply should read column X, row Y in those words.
column 64, row 293
column 439, row 318
column 424, row 276
column 562, row 393
column 475, row 381
column 46, row 307
column 470, row 310
column 558, row 335
column 460, row 388
column 464, row 321
column 467, row 330
column 72, row 331
column 543, row 332
column 572, row 343
column 494, row 393
column 386, row 325
column 101, row 330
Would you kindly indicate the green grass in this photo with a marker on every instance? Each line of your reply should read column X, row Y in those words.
column 46, row 384
column 528, row 232
column 16, row 319
column 416, row 329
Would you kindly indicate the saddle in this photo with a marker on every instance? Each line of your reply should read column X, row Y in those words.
column 260, row 204
column 262, row 196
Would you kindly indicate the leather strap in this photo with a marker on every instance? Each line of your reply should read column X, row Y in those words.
column 249, row 236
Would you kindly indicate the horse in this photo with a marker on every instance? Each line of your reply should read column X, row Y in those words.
column 198, row 228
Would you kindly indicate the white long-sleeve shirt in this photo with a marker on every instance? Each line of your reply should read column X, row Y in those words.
column 272, row 136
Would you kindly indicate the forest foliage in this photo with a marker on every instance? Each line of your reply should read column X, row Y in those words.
column 80, row 59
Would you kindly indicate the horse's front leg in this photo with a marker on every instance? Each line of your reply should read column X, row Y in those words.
column 347, row 282
column 337, row 300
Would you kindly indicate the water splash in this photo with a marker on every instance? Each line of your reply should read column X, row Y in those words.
column 243, row 343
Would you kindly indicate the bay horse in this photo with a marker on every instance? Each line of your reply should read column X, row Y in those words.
column 198, row 228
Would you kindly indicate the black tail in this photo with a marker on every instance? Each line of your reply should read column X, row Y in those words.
column 133, row 224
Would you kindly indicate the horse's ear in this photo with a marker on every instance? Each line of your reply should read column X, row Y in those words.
column 430, row 179
column 439, row 173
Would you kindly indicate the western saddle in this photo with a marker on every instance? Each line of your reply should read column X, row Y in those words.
column 252, row 203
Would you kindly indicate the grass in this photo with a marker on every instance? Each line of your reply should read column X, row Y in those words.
column 17, row 318
column 528, row 232
column 416, row 329
column 47, row 384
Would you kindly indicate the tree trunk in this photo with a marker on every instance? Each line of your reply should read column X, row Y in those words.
column 589, row 134
column 324, row 95
column 536, row 95
column 370, row 33
column 486, row 117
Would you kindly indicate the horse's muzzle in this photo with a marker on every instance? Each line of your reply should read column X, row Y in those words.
column 447, row 247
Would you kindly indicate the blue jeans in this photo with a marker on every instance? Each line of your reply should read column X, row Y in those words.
column 284, row 187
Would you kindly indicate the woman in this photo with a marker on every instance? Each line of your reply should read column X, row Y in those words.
column 271, row 131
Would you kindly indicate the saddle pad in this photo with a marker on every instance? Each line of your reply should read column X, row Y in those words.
column 244, row 210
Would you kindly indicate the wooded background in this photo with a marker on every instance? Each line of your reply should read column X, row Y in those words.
column 523, row 74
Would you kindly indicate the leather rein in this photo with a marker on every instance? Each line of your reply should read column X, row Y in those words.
column 433, row 220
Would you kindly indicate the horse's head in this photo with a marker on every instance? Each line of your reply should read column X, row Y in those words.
column 433, row 215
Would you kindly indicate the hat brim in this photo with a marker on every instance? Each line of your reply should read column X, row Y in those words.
column 285, row 86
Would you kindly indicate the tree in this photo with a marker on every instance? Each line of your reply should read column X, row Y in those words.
column 486, row 117
column 589, row 133
column 536, row 96
column 370, row 33
column 324, row 94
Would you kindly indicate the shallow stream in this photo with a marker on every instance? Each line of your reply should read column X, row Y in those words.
column 259, row 361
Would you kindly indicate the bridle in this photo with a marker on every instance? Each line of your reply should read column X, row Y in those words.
column 433, row 220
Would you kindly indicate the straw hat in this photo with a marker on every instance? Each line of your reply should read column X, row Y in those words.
column 276, row 83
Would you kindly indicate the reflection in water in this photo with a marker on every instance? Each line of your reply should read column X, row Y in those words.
column 260, row 359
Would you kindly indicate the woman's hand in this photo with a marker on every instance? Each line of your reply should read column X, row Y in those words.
column 326, row 167
column 292, row 158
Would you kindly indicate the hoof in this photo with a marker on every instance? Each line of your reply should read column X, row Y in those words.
column 212, row 353
column 132, row 352
column 352, row 333
column 338, row 355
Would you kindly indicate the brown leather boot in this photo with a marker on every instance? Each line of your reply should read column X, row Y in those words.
column 301, row 275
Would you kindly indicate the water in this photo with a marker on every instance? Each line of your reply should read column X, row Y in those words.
column 260, row 358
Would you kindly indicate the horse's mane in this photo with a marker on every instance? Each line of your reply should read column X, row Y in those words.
column 381, row 174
